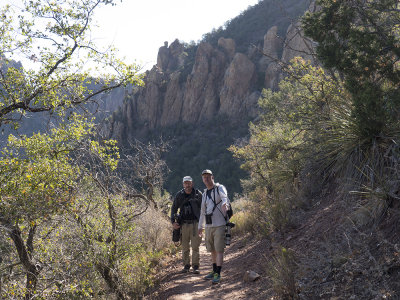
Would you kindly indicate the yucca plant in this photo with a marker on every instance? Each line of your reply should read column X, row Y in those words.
column 360, row 40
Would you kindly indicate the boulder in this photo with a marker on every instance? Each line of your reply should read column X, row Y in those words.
column 201, row 99
column 177, row 57
column 250, row 276
column 272, row 46
column 228, row 45
column 163, row 57
column 272, row 76
column 173, row 101
column 236, row 85
column 296, row 44
column 171, row 58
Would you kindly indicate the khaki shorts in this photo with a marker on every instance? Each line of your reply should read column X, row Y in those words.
column 215, row 238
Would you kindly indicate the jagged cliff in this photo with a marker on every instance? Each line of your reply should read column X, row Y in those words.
column 221, row 82
column 199, row 84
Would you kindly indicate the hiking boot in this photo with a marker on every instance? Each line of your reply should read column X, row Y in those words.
column 186, row 269
column 196, row 270
column 216, row 279
column 210, row 276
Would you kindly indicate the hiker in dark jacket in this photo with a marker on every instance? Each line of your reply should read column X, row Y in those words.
column 187, row 204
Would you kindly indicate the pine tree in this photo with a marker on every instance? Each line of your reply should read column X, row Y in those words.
column 361, row 39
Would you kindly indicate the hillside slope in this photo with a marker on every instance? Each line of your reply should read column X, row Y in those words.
column 336, row 255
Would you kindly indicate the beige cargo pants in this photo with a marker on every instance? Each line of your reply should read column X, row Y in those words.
column 190, row 238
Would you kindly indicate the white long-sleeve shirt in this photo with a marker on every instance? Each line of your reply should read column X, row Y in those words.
column 207, row 206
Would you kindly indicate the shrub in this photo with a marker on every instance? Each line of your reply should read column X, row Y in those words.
column 304, row 121
column 282, row 270
column 154, row 229
column 244, row 216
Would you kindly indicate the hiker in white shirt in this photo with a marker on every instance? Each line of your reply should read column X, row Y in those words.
column 214, row 205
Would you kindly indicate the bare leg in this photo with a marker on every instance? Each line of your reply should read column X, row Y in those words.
column 219, row 258
column 214, row 256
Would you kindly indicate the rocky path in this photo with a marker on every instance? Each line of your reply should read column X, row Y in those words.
column 243, row 255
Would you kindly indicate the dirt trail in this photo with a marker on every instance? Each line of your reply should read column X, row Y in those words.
column 242, row 255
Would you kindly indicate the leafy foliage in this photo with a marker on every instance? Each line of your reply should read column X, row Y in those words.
column 72, row 218
column 299, row 124
column 361, row 40
column 66, row 215
column 295, row 118
column 38, row 181
column 339, row 122
column 55, row 37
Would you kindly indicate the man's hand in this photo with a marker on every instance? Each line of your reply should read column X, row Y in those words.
column 176, row 225
column 224, row 208
column 200, row 232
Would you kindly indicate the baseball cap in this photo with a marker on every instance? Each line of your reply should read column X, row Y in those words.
column 187, row 178
column 206, row 171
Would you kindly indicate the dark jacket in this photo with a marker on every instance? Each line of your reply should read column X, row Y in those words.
column 194, row 200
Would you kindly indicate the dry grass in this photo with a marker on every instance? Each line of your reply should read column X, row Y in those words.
column 154, row 228
column 282, row 270
column 244, row 217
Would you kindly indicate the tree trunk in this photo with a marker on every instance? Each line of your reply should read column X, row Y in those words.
column 111, row 280
column 32, row 271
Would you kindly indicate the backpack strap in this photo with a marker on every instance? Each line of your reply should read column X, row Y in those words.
column 217, row 186
column 215, row 204
column 227, row 216
column 195, row 207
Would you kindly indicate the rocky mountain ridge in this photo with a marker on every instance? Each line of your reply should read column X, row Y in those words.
column 222, row 81
column 201, row 96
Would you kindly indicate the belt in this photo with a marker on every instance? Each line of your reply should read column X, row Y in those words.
column 189, row 221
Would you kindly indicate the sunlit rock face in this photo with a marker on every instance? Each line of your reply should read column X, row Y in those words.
column 218, row 81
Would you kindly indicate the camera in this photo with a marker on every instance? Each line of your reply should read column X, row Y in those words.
column 176, row 233
column 228, row 228
column 208, row 219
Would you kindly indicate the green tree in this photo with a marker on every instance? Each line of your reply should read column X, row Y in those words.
column 38, row 180
column 303, row 122
column 103, row 219
column 361, row 39
column 55, row 37
column 40, row 176
column 71, row 216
